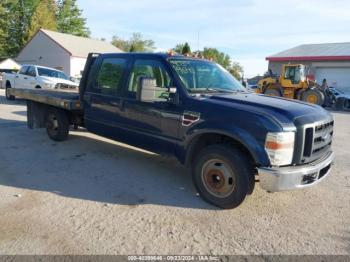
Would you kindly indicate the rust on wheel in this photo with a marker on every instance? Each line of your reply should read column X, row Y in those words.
column 218, row 178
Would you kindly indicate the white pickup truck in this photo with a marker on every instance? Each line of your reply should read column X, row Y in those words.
column 37, row 77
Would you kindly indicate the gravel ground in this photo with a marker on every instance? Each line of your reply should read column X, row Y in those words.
column 91, row 195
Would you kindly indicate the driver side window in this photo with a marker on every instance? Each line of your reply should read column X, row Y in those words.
column 23, row 70
column 152, row 69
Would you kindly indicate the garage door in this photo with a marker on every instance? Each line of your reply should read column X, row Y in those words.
column 336, row 76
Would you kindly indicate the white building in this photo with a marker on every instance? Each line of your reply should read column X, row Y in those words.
column 62, row 51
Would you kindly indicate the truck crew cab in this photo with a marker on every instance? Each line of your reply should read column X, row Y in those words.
column 194, row 109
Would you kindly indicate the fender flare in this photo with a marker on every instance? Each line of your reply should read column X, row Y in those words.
column 257, row 153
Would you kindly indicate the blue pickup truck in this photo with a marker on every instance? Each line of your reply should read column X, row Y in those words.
column 194, row 109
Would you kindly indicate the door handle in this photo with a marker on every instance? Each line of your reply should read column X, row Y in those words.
column 26, row 78
column 16, row 76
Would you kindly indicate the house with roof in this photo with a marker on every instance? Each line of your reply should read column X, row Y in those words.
column 8, row 64
column 322, row 61
column 64, row 52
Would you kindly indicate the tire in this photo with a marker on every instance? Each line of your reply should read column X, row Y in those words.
column 57, row 124
column 8, row 96
column 346, row 105
column 313, row 96
column 222, row 176
column 342, row 104
column 271, row 91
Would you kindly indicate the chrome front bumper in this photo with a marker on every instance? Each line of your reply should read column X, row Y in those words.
column 295, row 177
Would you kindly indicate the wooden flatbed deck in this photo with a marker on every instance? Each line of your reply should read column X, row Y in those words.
column 65, row 100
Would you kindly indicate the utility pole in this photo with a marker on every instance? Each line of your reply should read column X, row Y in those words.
column 198, row 41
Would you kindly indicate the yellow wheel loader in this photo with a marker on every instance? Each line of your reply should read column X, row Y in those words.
column 293, row 84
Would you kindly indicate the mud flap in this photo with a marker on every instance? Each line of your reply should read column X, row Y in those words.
column 36, row 114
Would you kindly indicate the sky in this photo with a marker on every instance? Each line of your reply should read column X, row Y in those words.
column 248, row 31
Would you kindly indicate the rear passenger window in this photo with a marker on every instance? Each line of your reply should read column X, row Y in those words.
column 109, row 79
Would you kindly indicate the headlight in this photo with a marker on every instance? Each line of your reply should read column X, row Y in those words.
column 280, row 148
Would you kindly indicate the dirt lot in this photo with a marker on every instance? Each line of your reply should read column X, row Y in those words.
column 90, row 195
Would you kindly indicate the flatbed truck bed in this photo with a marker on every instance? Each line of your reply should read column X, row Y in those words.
column 65, row 100
column 41, row 102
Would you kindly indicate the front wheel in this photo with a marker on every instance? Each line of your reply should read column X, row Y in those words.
column 57, row 124
column 7, row 93
column 221, row 175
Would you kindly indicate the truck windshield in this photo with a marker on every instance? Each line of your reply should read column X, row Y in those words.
column 51, row 73
column 200, row 76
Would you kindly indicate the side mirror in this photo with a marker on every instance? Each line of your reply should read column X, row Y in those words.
column 147, row 89
column 149, row 92
column 174, row 96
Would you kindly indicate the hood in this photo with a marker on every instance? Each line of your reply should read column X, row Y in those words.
column 59, row 80
column 282, row 109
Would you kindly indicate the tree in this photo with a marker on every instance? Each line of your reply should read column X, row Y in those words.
column 43, row 17
column 70, row 20
column 3, row 29
column 186, row 49
column 217, row 56
column 178, row 48
column 18, row 20
column 136, row 43
column 236, row 70
column 121, row 43
column 15, row 23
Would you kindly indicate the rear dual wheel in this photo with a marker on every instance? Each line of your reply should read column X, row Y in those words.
column 57, row 124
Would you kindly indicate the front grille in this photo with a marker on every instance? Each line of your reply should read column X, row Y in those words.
column 65, row 86
column 317, row 140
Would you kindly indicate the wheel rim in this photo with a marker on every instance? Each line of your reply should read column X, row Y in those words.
column 52, row 124
column 312, row 99
column 218, row 178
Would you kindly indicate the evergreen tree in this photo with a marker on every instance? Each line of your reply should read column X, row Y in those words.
column 3, row 29
column 178, row 48
column 70, row 20
column 186, row 49
column 43, row 17
column 14, row 22
column 17, row 26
